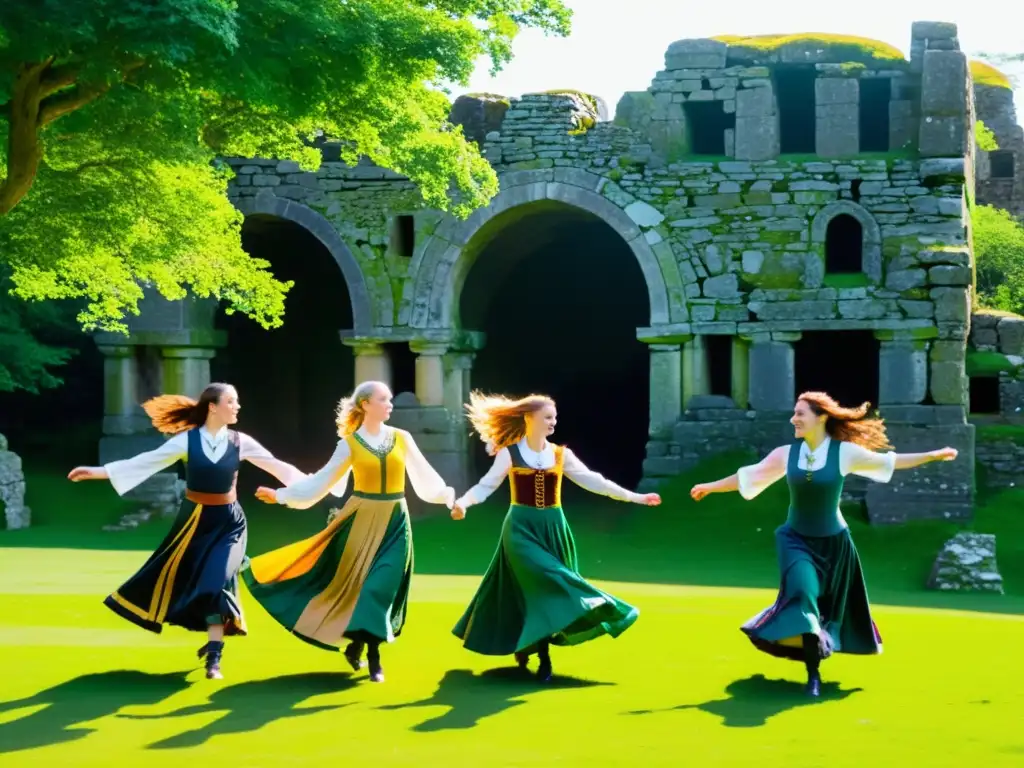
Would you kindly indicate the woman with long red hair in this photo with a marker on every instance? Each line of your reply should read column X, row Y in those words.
column 822, row 605
column 191, row 580
column 533, row 595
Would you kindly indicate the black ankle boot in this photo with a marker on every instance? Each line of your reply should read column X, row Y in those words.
column 213, row 651
column 354, row 654
column 522, row 660
column 373, row 657
column 813, row 687
column 544, row 670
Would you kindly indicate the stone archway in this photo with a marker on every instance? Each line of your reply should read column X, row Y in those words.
column 359, row 295
column 871, row 247
column 441, row 262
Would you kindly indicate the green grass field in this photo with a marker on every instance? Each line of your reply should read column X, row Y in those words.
column 81, row 687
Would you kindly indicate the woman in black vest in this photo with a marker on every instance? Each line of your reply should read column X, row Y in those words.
column 191, row 580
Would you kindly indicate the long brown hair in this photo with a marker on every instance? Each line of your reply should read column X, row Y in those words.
column 500, row 421
column 350, row 409
column 849, row 425
column 172, row 414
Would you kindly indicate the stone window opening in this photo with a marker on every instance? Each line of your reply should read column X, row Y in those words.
column 403, row 235
column 875, row 95
column 718, row 356
column 855, row 190
column 794, row 92
column 845, row 364
column 707, row 123
column 403, row 367
column 844, row 246
column 984, row 395
column 705, row 84
column 1001, row 164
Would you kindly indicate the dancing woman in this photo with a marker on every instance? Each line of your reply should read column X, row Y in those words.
column 191, row 580
column 822, row 606
column 533, row 595
column 352, row 579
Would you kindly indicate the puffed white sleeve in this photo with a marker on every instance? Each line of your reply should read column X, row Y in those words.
column 490, row 482
column 593, row 481
column 250, row 450
column 308, row 491
column 857, row 460
column 125, row 474
column 754, row 478
column 426, row 483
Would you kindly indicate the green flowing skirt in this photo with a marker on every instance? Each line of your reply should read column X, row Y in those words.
column 822, row 592
column 533, row 591
column 351, row 580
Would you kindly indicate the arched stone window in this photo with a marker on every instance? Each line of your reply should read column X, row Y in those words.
column 850, row 240
column 844, row 245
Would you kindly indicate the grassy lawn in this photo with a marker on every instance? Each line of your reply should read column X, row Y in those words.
column 81, row 687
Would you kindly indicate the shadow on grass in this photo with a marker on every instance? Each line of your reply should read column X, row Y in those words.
column 752, row 701
column 470, row 698
column 82, row 700
column 252, row 705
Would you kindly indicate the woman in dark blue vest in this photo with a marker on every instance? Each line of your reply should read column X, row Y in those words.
column 822, row 606
column 191, row 580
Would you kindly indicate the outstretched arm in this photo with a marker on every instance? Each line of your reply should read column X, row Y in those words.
column 426, row 483
column 306, row 492
column 595, row 482
column 858, row 460
column 487, row 485
column 749, row 480
column 252, row 451
column 128, row 473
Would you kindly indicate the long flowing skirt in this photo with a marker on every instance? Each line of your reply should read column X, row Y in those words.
column 533, row 591
column 191, row 580
column 351, row 580
column 822, row 592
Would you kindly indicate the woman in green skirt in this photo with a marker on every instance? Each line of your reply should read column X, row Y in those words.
column 533, row 595
column 822, row 605
column 351, row 580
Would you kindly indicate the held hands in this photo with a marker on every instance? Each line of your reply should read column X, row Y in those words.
column 458, row 513
column 944, row 454
column 266, row 495
column 85, row 473
column 699, row 491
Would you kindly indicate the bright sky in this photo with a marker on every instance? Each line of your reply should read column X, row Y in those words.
column 618, row 45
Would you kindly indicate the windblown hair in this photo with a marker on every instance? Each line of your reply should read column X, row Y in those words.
column 172, row 414
column 350, row 409
column 501, row 421
column 849, row 425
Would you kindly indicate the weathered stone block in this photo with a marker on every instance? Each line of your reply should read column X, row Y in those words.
column 905, row 279
column 772, row 376
column 948, row 384
column 952, row 305
column 967, row 562
column 1011, row 336
column 755, row 102
column 836, row 91
column 943, row 136
column 949, row 275
column 837, row 130
column 695, row 54
column 903, row 373
column 944, row 84
column 722, row 286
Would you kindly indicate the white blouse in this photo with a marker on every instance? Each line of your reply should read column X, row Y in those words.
column 572, row 467
column 426, row 483
column 853, row 459
column 128, row 473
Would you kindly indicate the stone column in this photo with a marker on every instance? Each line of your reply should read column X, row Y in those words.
column 186, row 370
column 740, row 372
column 457, row 369
column 695, row 370
column 666, row 407
column 372, row 362
column 902, row 372
column 772, row 376
column 429, row 372
column 120, row 388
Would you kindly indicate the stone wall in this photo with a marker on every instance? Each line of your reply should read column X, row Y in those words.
column 1000, row 173
column 1002, row 457
column 12, row 490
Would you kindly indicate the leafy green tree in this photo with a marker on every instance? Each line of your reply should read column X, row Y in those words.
column 999, row 258
column 113, row 112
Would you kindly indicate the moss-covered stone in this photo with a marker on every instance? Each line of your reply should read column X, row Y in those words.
column 986, row 75
column 811, row 47
column 986, row 364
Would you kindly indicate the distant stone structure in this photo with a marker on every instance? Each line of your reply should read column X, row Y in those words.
column 12, row 490
column 783, row 197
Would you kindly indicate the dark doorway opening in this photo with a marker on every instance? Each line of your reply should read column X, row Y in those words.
column 707, row 122
column 1001, row 164
column 718, row 351
column 560, row 295
column 875, row 95
column 842, row 363
column 794, row 90
column 403, row 367
column 844, row 245
column 984, row 394
column 403, row 236
column 290, row 379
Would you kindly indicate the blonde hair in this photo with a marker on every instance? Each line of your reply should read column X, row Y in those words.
column 350, row 409
column 850, row 425
column 501, row 421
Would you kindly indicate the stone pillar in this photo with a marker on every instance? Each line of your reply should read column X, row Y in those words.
column 740, row 372
column 457, row 369
column 945, row 103
column 186, row 370
column 430, row 378
column 902, row 372
column 837, row 116
column 372, row 362
column 772, row 376
column 948, row 379
column 695, row 370
column 121, row 413
column 666, row 387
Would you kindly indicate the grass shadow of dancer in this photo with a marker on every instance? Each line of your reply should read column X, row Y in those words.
column 470, row 698
column 752, row 701
column 251, row 705
column 81, row 700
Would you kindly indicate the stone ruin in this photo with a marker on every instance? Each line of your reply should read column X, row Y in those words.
column 967, row 562
column 12, row 489
column 784, row 198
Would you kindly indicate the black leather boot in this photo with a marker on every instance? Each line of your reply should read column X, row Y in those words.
column 814, row 650
column 544, row 670
column 522, row 660
column 354, row 654
column 373, row 657
column 213, row 651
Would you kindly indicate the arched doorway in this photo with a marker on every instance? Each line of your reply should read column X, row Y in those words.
column 290, row 378
column 559, row 294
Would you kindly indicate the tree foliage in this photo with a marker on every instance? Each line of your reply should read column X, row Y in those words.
column 999, row 258
column 113, row 112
